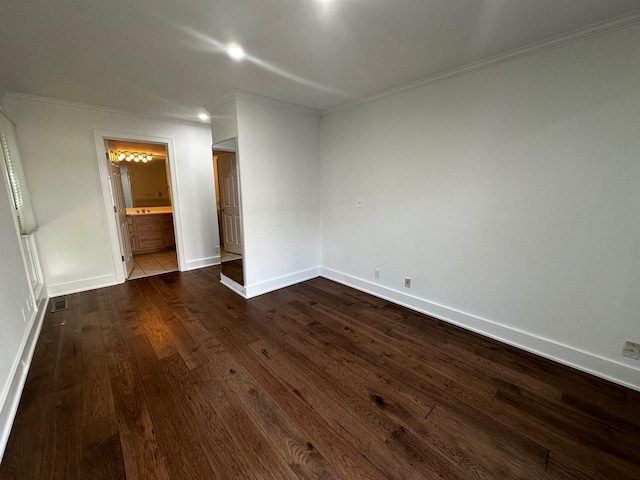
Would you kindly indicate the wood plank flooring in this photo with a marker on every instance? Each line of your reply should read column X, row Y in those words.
column 176, row 377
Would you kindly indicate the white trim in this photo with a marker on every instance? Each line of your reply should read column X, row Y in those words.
column 40, row 290
column 241, row 206
column 117, row 111
column 200, row 263
column 281, row 282
column 608, row 369
column 236, row 95
column 562, row 40
column 35, row 260
column 100, row 136
column 11, row 397
column 83, row 285
column 221, row 101
column 107, row 201
column 233, row 285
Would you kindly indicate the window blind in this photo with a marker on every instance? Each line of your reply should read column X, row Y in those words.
column 17, row 180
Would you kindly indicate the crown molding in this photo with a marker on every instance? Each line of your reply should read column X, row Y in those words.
column 221, row 101
column 96, row 108
column 585, row 33
column 236, row 95
column 271, row 102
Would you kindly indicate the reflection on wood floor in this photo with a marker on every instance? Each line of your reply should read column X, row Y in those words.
column 175, row 376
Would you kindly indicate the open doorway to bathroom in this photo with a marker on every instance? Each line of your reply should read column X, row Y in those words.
column 141, row 190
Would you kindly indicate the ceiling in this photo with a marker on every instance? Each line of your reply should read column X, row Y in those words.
column 167, row 56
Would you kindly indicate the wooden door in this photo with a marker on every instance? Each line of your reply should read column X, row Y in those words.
column 119, row 208
column 230, row 198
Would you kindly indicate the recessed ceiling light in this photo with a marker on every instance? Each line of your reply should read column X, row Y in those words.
column 235, row 51
column 204, row 116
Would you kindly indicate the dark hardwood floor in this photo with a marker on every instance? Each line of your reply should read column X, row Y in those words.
column 177, row 377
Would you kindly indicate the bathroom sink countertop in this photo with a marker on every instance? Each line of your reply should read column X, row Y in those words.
column 148, row 210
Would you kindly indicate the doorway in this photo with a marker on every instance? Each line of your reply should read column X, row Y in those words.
column 140, row 204
column 143, row 185
column 225, row 167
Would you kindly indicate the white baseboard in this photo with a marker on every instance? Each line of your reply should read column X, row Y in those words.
column 281, row 282
column 18, row 376
column 233, row 285
column 86, row 284
column 200, row 263
column 83, row 285
column 606, row 368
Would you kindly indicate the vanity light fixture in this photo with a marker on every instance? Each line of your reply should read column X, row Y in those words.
column 203, row 116
column 135, row 156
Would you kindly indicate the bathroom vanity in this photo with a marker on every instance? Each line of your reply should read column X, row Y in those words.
column 150, row 229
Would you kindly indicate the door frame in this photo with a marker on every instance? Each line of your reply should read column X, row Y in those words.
column 100, row 137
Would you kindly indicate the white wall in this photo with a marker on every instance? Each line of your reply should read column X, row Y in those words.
column 511, row 197
column 60, row 162
column 224, row 119
column 17, row 312
column 279, row 160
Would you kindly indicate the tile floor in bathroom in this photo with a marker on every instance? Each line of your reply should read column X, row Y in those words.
column 154, row 264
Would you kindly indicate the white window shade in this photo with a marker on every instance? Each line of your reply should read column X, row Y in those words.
column 17, row 180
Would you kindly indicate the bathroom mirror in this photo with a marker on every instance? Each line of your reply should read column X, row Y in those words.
column 225, row 167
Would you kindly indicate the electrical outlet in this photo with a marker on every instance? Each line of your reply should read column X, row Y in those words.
column 377, row 273
column 407, row 282
column 359, row 202
column 631, row 350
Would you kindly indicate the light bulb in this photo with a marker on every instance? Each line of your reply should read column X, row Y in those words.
column 235, row 51
column 149, row 157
